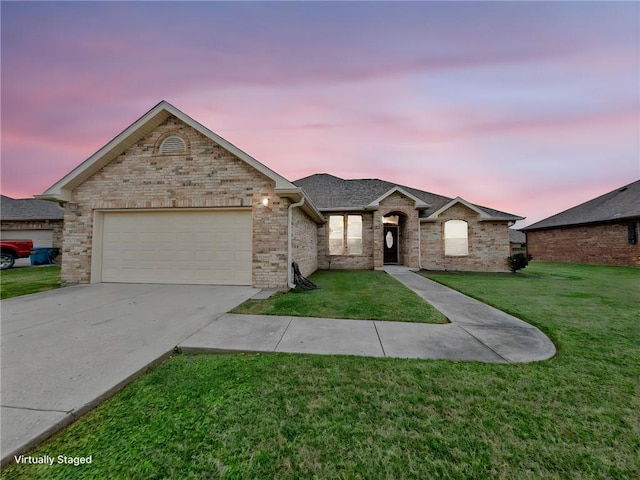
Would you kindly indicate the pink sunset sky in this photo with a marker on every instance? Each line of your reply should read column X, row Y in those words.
column 530, row 108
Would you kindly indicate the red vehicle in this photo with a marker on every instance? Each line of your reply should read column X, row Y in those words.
column 12, row 249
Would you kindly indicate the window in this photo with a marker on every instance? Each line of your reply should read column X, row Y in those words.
column 456, row 238
column 345, row 235
column 336, row 235
column 354, row 234
column 173, row 145
column 632, row 234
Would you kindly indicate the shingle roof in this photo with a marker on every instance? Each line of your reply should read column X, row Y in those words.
column 29, row 209
column 620, row 204
column 516, row 236
column 329, row 192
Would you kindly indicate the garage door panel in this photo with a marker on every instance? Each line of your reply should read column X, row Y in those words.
column 177, row 247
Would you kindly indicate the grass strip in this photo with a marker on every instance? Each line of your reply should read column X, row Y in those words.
column 353, row 294
column 303, row 416
column 23, row 281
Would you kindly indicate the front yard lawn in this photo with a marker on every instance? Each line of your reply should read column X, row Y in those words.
column 302, row 416
column 22, row 281
column 354, row 294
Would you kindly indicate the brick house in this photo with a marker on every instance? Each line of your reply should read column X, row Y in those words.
column 169, row 201
column 602, row 231
column 31, row 219
column 372, row 222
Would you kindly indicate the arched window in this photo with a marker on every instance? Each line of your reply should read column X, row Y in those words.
column 173, row 145
column 456, row 238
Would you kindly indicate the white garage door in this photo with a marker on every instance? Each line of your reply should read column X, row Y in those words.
column 41, row 238
column 188, row 247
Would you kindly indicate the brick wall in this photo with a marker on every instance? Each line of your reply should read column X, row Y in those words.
column 408, row 232
column 55, row 225
column 346, row 262
column 304, row 242
column 207, row 176
column 488, row 243
column 595, row 244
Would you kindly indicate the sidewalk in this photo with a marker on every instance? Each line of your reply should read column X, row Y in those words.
column 477, row 332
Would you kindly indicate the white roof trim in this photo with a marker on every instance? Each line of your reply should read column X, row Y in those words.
column 61, row 191
column 295, row 195
column 420, row 204
column 483, row 215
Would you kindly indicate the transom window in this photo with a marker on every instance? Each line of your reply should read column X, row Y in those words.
column 345, row 235
column 456, row 238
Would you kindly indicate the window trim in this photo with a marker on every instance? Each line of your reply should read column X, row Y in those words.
column 445, row 238
column 345, row 250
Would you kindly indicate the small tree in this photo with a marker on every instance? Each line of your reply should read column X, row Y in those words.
column 518, row 261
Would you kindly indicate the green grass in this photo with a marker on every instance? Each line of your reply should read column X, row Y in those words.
column 295, row 416
column 22, row 281
column 354, row 294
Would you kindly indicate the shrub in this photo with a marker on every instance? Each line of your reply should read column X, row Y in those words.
column 518, row 261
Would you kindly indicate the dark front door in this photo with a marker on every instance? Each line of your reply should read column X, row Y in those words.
column 390, row 241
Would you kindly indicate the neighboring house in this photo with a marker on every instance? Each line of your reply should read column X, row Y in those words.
column 169, row 201
column 602, row 231
column 31, row 219
column 517, row 242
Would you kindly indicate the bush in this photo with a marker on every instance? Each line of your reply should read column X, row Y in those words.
column 518, row 261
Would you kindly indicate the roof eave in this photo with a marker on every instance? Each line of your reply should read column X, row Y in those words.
column 31, row 219
column 281, row 182
column 419, row 204
column 501, row 219
column 295, row 195
column 137, row 130
column 59, row 196
column 484, row 216
column 631, row 218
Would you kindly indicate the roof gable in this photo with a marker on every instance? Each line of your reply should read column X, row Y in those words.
column 620, row 204
column 458, row 200
column 61, row 190
column 420, row 204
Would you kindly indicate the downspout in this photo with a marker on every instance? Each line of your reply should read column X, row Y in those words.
column 290, row 283
column 419, row 245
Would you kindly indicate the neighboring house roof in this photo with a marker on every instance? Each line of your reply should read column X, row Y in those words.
column 331, row 193
column 516, row 236
column 620, row 204
column 61, row 191
column 29, row 209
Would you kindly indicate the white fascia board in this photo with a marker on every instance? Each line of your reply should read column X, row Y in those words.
column 483, row 215
column 346, row 209
column 281, row 182
column 295, row 195
column 61, row 190
column 420, row 204
column 501, row 219
column 60, row 197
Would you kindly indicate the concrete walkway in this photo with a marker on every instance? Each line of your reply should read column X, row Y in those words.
column 477, row 332
column 64, row 351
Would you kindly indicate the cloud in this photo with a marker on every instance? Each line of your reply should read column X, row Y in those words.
column 491, row 101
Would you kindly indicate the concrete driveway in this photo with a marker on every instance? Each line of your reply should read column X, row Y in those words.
column 66, row 350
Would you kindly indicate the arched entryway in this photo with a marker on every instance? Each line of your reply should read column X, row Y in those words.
column 392, row 226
